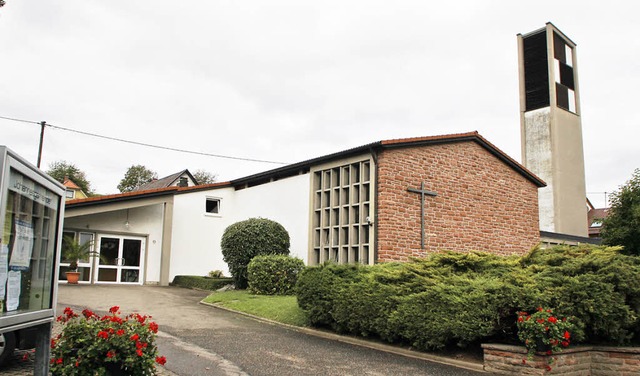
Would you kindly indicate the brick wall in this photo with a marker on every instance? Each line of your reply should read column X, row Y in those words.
column 482, row 203
column 578, row 361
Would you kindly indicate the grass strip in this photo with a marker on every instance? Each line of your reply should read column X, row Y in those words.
column 278, row 308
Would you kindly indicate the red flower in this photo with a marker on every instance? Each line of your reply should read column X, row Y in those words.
column 548, row 367
column 520, row 319
column 540, row 309
column 161, row 360
column 552, row 320
column 114, row 309
column 88, row 313
column 565, row 343
column 103, row 334
column 59, row 361
column 111, row 354
column 139, row 352
column 540, row 321
column 549, row 352
column 153, row 327
column 120, row 332
column 53, row 343
column 134, row 337
column 567, row 335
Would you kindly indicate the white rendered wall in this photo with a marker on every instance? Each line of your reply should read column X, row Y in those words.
column 144, row 221
column 538, row 157
column 196, row 235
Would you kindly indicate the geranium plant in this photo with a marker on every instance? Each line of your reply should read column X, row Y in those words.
column 112, row 344
column 544, row 332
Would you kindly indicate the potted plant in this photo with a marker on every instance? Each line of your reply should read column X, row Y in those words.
column 112, row 344
column 73, row 251
column 543, row 332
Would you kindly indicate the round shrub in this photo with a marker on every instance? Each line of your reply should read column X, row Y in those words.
column 273, row 274
column 244, row 240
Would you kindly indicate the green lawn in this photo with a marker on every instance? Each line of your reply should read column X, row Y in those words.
column 283, row 309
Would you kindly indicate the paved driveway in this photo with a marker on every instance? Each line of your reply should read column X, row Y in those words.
column 202, row 340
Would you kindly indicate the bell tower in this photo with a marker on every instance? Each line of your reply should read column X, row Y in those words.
column 551, row 128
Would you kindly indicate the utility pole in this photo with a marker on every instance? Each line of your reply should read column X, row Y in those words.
column 42, row 125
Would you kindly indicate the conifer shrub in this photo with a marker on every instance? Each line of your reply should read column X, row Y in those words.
column 273, row 274
column 318, row 287
column 463, row 298
column 244, row 240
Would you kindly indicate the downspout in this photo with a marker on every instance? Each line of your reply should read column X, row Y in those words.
column 374, row 157
column 167, row 231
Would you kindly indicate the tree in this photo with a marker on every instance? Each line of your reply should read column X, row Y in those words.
column 205, row 177
column 244, row 240
column 135, row 176
column 622, row 225
column 60, row 170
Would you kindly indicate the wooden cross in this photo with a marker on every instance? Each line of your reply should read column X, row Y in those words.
column 422, row 193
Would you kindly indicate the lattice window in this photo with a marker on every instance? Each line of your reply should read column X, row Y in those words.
column 342, row 214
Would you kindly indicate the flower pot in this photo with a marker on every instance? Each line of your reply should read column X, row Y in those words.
column 115, row 369
column 542, row 347
column 73, row 277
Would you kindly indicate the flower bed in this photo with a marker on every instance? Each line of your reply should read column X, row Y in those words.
column 584, row 361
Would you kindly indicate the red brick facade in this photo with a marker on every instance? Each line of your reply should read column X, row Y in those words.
column 482, row 203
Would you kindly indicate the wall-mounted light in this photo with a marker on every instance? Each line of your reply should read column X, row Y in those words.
column 126, row 223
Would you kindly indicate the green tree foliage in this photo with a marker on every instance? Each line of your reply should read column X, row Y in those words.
column 135, row 176
column 622, row 225
column 244, row 240
column 205, row 177
column 61, row 169
column 273, row 274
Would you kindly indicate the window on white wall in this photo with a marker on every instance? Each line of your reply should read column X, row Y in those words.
column 212, row 205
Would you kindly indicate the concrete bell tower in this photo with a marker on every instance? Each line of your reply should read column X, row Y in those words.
column 551, row 129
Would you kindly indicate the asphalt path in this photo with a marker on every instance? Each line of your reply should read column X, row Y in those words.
column 202, row 340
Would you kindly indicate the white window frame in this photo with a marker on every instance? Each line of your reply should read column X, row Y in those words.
column 209, row 214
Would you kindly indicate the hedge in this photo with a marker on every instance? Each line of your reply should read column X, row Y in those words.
column 202, row 283
column 273, row 274
column 462, row 298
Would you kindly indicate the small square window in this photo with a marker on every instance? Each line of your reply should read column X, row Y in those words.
column 70, row 194
column 213, row 206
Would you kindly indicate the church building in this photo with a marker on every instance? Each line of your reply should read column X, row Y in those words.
column 384, row 201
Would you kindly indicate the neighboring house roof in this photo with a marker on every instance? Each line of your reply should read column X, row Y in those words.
column 595, row 218
column 69, row 184
column 304, row 166
column 167, row 181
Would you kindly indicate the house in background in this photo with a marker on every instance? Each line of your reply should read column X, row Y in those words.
column 595, row 218
column 179, row 179
column 73, row 191
column 384, row 201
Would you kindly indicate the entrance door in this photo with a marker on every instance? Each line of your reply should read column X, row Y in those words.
column 121, row 260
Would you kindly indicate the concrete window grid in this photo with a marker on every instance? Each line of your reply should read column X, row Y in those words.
column 341, row 224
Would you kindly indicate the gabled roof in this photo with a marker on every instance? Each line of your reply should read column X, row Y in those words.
column 69, row 184
column 167, row 181
column 304, row 167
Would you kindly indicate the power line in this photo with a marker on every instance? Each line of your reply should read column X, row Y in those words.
column 142, row 143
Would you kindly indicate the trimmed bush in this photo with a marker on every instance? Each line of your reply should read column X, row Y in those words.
column 463, row 298
column 202, row 283
column 273, row 274
column 244, row 240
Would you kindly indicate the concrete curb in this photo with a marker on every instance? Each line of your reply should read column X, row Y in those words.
column 478, row 367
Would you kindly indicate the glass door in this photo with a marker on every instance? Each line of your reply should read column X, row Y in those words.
column 121, row 260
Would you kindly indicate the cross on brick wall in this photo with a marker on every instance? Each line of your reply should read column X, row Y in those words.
column 422, row 193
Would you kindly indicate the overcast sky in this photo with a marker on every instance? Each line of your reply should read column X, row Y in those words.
column 292, row 80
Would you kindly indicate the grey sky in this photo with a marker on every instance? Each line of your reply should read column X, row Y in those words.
column 292, row 80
